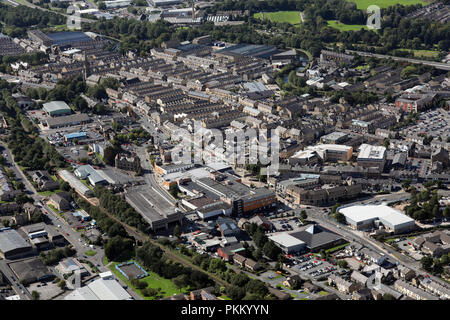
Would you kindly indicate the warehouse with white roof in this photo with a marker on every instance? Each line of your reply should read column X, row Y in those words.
column 287, row 243
column 100, row 289
column 371, row 156
column 362, row 217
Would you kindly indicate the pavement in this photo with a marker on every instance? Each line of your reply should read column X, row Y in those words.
column 72, row 236
column 317, row 215
column 12, row 279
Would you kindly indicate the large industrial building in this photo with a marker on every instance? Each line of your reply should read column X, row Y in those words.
column 229, row 189
column 30, row 271
column 154, row 207
column 326, row 152
column 287, row 243
column 316, row 238
column 56, row 108
column 79, row 186
column 363, row 217
column 12, row 245
column 89, row 173
column 165, row 3
column 100, row 289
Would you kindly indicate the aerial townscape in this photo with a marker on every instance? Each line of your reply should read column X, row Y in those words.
column 224, row 150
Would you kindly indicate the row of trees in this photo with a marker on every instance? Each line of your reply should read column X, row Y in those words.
column 119, row 208
column 242, row 286
column 16, row 20
column 263, row 244
column 54, row 256
column 435, row 265
column 425, row 205
column 154, row 259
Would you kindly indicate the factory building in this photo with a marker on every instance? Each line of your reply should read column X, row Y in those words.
column 56, row 108
column 362, row 217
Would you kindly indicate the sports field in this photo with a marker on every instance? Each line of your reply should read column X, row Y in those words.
column 364, row 4
column 154, row 281
column 292, row 17
column 346, row 27
column 423, row 53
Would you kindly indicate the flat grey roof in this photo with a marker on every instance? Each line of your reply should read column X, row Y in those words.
column 150, row 204
column 70, row 119
column 11, row 240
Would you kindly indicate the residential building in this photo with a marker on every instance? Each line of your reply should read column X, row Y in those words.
column 342, row 284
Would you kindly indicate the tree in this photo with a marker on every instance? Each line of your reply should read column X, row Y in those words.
column 303, row 215
column 235, row 293
column 109, row 155
column 177, row 231
column 216, row 265
column 339, row 217
column 343, row 264
column 35, row 295
column 427, row 263
column 64, row 185
column 257, row 287
column 119, row 249
column 62, row 284
column 406, row 184
column 334, row 208
column 240, row 280
column 271, row 250
column 173, row 190
column 388, row 296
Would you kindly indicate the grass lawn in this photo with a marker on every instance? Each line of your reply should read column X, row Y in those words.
column 154, row 281
column 364, row 4
column 48, row 193
column 90, row 253
column 87, row 184
column 292, row 17
column 323, row 293
column 224, row 297
column 105, row 260
column 54, row 209
column 346, row 27
column 365, row 67
column 423, row 53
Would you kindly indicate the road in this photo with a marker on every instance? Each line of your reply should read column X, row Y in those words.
column 322, row 218
column 72, row 236
column 12, row 279
column 437, row 65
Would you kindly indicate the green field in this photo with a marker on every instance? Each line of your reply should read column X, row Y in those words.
column 153, row 280
column 423, row 53
column 292, row 17
column 346, row 27
column 364, row 4
column 90, row 253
